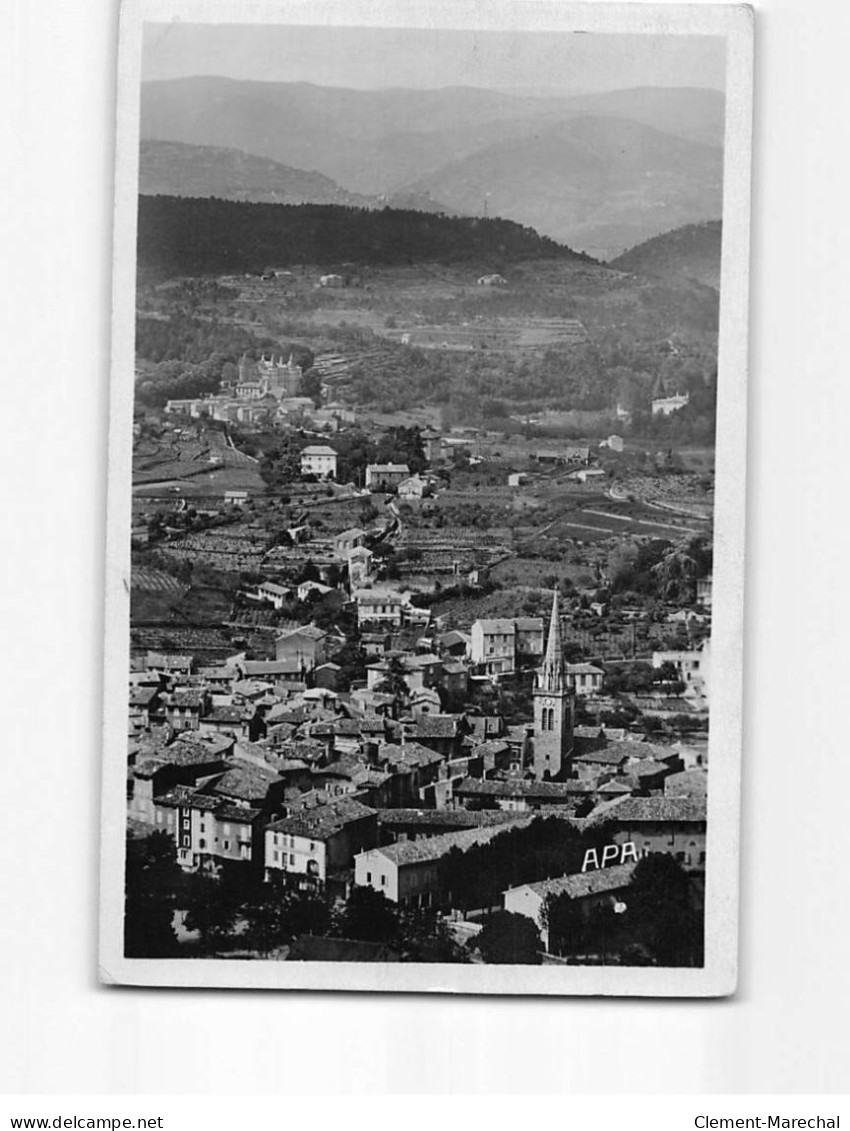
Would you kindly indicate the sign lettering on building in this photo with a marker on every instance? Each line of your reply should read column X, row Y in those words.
column 610, row 854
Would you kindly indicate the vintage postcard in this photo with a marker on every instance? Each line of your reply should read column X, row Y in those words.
column 426, row 500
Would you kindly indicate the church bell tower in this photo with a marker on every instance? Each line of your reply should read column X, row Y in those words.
column 554, row 707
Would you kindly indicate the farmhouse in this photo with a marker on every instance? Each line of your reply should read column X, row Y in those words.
column 377, row 608
column 413, row 488
column 348, row 540
column 588, row 475
column 585, row 678
column 319, row 460
column 692, row 667
column 273, row 593
column 380, row 476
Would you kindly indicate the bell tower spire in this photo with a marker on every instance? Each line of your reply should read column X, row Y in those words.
column 554, row 706
column 553, row 676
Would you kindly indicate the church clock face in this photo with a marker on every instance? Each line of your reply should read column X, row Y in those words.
column 548, row 702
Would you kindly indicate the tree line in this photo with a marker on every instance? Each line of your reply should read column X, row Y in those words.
column 194, row 236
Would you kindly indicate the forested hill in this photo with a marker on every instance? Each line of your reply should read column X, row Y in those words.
column 691, row 252
column 188, row 236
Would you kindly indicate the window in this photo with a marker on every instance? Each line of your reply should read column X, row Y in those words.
column 383, row 881
column 202, row 844
column 291, row 858
column 227, row 846
column 226, row 830
column 368, row 877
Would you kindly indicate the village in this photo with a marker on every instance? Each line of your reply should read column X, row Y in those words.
column 367, row 657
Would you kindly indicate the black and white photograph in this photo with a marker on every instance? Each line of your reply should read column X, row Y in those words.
column 426, row 498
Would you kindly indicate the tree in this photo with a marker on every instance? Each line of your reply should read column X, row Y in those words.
column 276, row 916
column 510, row 939
column 663, row 906
column 423, row 936
column 213, row 909
column 369, row 916
column 311, row 387
column 151, row 878
column 394, row 682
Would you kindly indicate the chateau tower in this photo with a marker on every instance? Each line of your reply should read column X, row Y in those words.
column 554, row 707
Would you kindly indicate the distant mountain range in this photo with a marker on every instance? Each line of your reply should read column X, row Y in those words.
column 173, row 168
column 601, row 172
column 692, row 252
column 599, row 184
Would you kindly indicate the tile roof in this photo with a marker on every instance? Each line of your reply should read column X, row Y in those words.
column 585, row 883
column 270, row 667
column 410, row 754
column 191, row 698
column 476, row 787
column 224, row 714
column 435, row 726
column 615, row 786
column 589, row 732
column 425, row 849
column 185, row 797
column 490, row 748
column 143, row 696
column 245, row 781
column 529, row 624
column 275, row 589
column 628, row 810
column 500, row 625
column 450, row 639
column 324, row 821
column 687, row 783
column 459, row 818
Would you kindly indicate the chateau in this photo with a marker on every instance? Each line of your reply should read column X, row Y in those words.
column 260, row 378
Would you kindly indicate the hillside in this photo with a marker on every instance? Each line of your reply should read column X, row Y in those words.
column 692, row 252
column 170, row 168
column 384, row 142
column 597, row 183
column 182, row 236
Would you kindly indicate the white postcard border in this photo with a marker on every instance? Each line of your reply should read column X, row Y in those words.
column 719, row 975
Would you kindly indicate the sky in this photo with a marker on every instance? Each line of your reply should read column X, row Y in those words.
column 374, row 58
